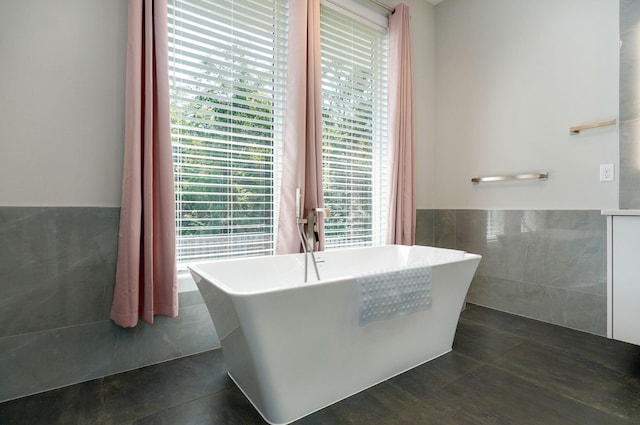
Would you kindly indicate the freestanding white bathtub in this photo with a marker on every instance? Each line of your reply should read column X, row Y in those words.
column 294, row 347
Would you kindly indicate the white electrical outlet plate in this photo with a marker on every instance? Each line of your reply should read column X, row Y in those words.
column 606, row 173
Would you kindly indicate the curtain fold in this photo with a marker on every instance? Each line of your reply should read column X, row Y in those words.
column 402, row 210
column 302, row 150
column 146, row 282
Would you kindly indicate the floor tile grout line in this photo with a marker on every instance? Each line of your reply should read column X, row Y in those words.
column 554, row 349
column 416, row 400
column 559, row 394
column 493, row 329
column 568, row 351
column 413, row 398
column 191, row 400
column 537, row 323
column 197, row 396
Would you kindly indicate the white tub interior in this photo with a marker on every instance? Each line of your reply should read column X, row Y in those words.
column 265, row 274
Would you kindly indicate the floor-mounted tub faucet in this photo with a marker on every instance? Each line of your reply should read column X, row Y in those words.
column 308, row 238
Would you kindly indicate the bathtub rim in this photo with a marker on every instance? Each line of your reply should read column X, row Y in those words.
column 196, row 270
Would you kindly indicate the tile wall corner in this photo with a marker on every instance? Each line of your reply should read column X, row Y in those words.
column 548, row 265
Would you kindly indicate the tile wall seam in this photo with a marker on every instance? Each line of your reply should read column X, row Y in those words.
column 527, row 282
column 42, row 331
column 86, row 324
column 537, row 319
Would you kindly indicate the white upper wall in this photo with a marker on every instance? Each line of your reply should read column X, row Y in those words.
column 423, row 43
column 61, row 102
column 62, row 97
column 511, row 77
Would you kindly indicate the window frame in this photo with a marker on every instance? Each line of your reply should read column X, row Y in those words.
column 378, row 177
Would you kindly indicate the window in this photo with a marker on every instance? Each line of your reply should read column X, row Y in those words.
column 354, row 117
column 227, row 72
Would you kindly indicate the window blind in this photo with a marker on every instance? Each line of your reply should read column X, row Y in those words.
column 227, row 73
column 354, row 114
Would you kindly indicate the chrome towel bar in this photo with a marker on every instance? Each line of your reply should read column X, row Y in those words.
column 578, row 129
column 538, row 176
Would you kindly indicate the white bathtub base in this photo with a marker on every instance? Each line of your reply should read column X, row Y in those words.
column 294, row 348
column 255, row 406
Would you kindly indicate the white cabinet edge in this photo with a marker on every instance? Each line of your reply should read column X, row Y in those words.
column 621, row 212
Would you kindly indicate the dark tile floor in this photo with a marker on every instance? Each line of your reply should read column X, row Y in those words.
column 503, row 369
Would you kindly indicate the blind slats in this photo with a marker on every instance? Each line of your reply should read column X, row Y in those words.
column 227, row 68
column 354, row 130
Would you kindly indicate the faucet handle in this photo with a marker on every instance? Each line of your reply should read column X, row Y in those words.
column 325, row 211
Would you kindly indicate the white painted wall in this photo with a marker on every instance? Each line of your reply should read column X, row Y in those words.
column 423, row 39
column 511, row 77
column 61, row 102
column 62, row 91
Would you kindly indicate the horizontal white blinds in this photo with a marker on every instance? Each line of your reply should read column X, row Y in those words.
column 354, row 113
column 227, row 71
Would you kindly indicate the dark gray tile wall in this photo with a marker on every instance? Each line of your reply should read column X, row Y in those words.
column 57, row 271
column 629, row 104
column 424, row 227
column 57, row 267
column 548, row 265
